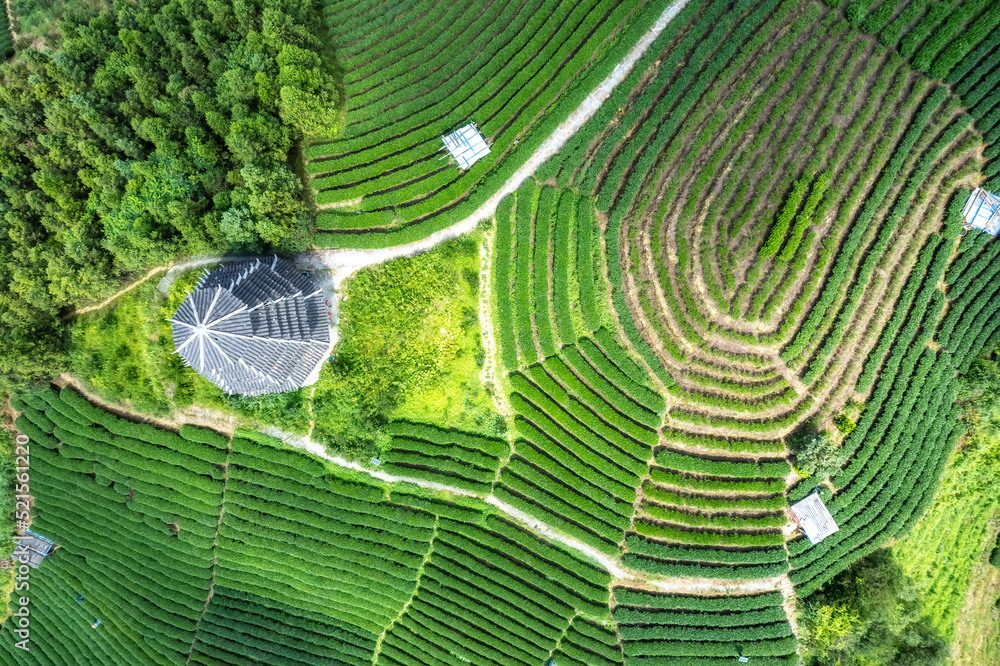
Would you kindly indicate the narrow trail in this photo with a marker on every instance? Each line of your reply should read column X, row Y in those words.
column 203, row 417
column 413, row 595
column 790, row 605
column 176, row 269
column 620, row 573
column 119, row 294
column 344, row 263
column 490, row 374
column 10, row 21
column 215, row 558
column 172, row 269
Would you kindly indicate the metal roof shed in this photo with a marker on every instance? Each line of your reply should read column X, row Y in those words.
column 814, row 518
column 254, row 327
column 982, row 211
column 32, row 549
column 466, row 145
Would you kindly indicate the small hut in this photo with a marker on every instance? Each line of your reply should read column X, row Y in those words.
column 982, row 211
column 814, row 518
column 32, row 549
column 466, row 145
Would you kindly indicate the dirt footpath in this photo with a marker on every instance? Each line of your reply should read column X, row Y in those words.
column 345, row 262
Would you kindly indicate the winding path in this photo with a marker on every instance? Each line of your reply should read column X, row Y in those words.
column 675, row 584
column 114, row 297
column 343, row 263
column 613, row 565
column 620, row 573
column 10, row 20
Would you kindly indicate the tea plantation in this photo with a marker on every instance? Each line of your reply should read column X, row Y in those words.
column 193, row 548
column 757, row 239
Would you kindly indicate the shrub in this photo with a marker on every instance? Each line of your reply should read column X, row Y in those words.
column 845, row 425
column 784, row 219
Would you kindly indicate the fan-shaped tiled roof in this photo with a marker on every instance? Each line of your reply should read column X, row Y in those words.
column 253, row 327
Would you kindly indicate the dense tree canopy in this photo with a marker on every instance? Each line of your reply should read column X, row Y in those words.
column 869, row 614
column 157, row 127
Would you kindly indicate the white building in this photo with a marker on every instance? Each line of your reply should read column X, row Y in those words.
column 466, row 145
column 982, row 211
column 814, row 518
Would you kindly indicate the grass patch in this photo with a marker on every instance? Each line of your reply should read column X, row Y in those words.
column 977, row 636
column 945, row 548
column 410, row 347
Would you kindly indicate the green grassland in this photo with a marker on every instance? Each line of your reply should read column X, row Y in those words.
column 410, row 349
column 977, row 637
column 945, row 550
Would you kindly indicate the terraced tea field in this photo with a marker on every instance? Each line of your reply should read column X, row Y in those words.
column 195, row 549
column 759, row 233
column 589, row 419
column 768, row 299
column 683, row 629
column 425, row 68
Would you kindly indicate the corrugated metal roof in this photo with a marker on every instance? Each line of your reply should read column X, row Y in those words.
column 982, row 211
column 253, row 327
column 31, row 549
column 814, row 518
column 466, row 145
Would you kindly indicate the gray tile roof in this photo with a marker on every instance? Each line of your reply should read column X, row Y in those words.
column 253, row 327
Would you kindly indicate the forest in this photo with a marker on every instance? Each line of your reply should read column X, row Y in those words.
column 155, row 129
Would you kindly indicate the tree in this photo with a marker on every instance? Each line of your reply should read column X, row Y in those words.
column 240, row 229
column 271, row 196
column 869, row 614
column 154, row 128
column 831, row 628
column 979, row 392
column 308, row 100
column 817, row 454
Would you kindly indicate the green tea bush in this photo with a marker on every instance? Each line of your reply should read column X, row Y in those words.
column 746, row 470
